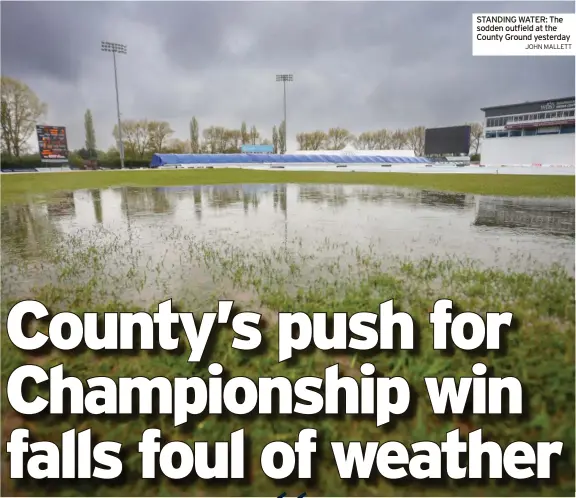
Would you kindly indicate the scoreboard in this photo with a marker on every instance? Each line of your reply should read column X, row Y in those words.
column 52, row 143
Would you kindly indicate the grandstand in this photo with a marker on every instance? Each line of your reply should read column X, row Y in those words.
column 539, row 133
column 159, row 160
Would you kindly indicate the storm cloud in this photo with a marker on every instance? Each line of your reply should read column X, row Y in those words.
column 359, row 65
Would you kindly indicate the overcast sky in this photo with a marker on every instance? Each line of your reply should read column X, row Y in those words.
column 359, row 65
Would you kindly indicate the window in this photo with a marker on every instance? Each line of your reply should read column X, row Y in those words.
column 567, row 129
column 489, row 123
column 547, row 115
column 571, row 113
column 529, row 132
column 490, row 134
column 502, row 133
column 515, row 133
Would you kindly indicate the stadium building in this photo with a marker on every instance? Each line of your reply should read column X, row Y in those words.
column 537, row 133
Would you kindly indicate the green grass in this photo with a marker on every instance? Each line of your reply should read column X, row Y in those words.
column 19, row 185
column 541, row 352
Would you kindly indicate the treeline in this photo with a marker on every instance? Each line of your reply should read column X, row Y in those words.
column 338, row 138
column 142, row 138
column 21, row 110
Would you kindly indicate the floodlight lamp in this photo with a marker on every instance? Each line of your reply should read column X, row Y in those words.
column 114, row 47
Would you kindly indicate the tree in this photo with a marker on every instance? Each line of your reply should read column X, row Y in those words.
column 476, row 136
column 20, row 111
column 415, row 139
column 245, row 136
column 338, row 138
column 90, row 142
column 177, row 146
column 158, row 133
column 254, row 135
column 194, row 136
column 314, row 140
column 318, row 140
column 211, row 141
column 232, row 141
column 220, row 140
column 275, row 141
column 366, row 140
column 398, row 139
column 382, row 139
column 282, row 138
column 135, row 137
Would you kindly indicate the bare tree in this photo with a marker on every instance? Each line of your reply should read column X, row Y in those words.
column 476, row 136
column 135, row 137
column 20, row 111
column 338, row 138
column 314, row 140
column 158, row 133
column 382, row 139
column 415, row 139
column 398, row 139
column 177, row 146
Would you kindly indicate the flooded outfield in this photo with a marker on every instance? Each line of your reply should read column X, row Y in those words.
column 164, row 235
column 303, row 248
column 154, row 226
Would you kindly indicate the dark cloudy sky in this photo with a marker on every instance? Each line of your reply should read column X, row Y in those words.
column 359, row 65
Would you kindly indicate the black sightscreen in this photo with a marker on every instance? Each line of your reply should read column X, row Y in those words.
column 447, row 141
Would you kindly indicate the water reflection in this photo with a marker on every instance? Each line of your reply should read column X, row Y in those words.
column 62, row 207
column 416, row 223
column 444, row 199
column 545, row 216
column 332, row 195
column 26, row 229
column 223, row 196
column 140, row 202
column 339, row 195
column 97, row 201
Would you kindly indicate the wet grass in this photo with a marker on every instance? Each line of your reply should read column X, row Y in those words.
column 94, row 271
column 17, row 186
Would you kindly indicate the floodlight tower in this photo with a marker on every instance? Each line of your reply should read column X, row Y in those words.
column 117, row 48
column 284, row 78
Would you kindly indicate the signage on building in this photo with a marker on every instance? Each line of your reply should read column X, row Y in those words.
column 530, row 107
column 562, row 104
